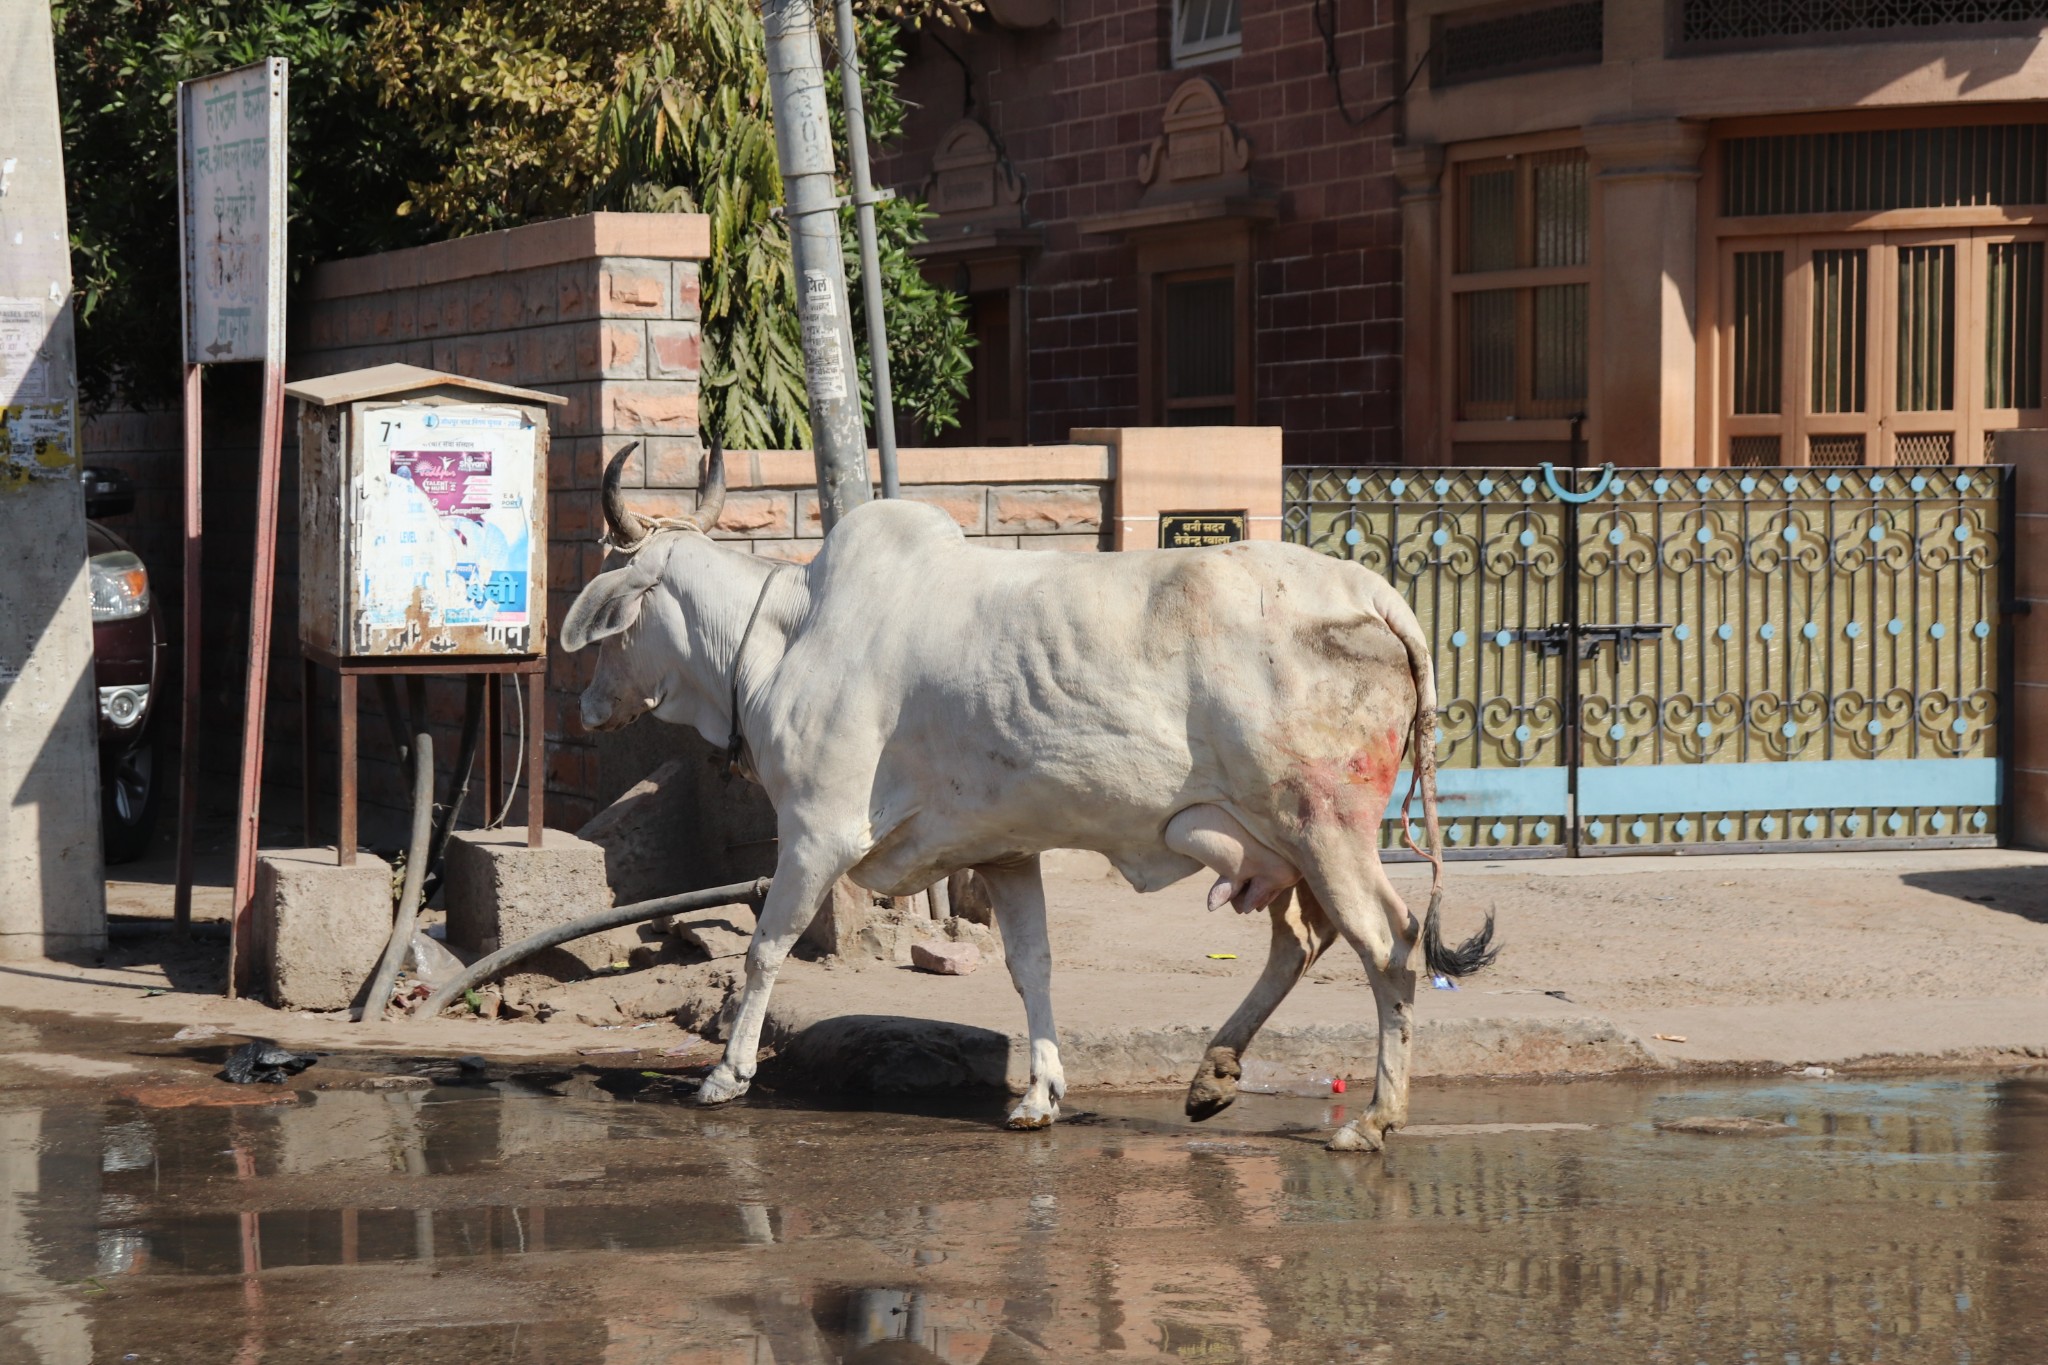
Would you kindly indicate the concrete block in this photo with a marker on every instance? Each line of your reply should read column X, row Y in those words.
column 836, row 929
column 319, row 928
column 646, row 836
column 499, row 891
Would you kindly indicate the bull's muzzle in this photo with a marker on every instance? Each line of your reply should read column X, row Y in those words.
column 604, row 711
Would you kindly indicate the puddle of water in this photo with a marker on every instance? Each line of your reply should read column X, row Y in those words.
column 560, row 1222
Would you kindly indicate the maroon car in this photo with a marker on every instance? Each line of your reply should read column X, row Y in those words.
column 127, row 652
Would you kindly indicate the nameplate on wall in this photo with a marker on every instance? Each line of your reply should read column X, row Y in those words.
column 1191, row 530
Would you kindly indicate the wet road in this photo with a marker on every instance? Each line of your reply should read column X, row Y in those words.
column 584, row 1216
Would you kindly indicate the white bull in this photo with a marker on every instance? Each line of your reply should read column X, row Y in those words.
column 914, row 705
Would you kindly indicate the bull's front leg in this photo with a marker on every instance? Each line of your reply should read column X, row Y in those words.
column 804, row 874
column 1300, row 935
column 1019, row 895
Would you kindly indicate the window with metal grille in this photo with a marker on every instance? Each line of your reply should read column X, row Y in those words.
column 1523, row 350
column 1841, row 281
column 1205, row 30
column 1759, row 335
column 1494, row 44
column 2012, row 330
column 1982, row 166
column 1200, row 354
column 1748, row 21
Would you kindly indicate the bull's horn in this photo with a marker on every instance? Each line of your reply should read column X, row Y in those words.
column 628, row 528
column 711, row 488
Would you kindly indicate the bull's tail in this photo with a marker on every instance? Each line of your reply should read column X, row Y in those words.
column 1479, row 950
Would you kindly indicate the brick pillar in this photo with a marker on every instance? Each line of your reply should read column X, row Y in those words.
column 1420, row 171
column 601, row 309
column 1644, row 308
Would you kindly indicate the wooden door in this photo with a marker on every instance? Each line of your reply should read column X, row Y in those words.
column 1880, row 348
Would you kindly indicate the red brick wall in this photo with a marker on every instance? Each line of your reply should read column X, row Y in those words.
column 1076, row 104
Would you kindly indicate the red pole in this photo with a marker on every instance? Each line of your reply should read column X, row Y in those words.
column 188, row 727
column 262, row 591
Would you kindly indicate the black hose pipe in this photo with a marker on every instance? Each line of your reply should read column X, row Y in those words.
column 487, row 968
column 405, row 915
column 465, row 764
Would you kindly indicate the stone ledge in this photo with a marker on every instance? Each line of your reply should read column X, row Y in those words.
column 658, row 236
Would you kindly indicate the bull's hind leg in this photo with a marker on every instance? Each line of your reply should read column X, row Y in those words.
column 804, row 873
column 1019, row 895
column 1300, row 934
column 1371, row 914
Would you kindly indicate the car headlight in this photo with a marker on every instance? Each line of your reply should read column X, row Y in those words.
column 120, row 586
column 123, row 706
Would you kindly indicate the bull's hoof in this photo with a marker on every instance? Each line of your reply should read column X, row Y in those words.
column 1352, row 1138
column 1028, row 1117
column 721, row 1087
column 1214, row 1088
column 1209, row 1096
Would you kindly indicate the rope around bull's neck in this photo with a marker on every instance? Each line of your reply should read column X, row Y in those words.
column 739, row 734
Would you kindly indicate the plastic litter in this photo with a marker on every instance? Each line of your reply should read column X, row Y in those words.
column 264, row 1061
column 1223, row 957
column 431, row 962
column 1815, row 1071
column 1260, row 1077
column 1444, row 983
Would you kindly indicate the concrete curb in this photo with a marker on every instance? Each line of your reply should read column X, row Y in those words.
column 892, row 1054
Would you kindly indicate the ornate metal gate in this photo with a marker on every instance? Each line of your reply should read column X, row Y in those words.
column 1711, row 660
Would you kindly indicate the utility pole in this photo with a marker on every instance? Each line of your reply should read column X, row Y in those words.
column 52, row 889
column 803, row 144
column 864, row 201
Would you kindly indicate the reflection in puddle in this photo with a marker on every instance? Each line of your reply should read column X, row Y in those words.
column 1898, row 1220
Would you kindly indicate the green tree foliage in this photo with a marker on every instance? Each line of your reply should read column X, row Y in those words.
column 532, row 111
column 413, row 120
column 118, row 66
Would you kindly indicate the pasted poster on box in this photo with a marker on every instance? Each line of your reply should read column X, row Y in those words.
column 444, row 527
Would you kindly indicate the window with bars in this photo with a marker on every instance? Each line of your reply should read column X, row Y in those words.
column 1205, row 31
column 1199, row 354
column 1531, row 38
column 1891, row 168
column 1522, row 348
column 1718, row 22
column 2012, row 336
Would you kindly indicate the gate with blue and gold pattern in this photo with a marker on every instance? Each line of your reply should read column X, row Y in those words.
column 1677, row 660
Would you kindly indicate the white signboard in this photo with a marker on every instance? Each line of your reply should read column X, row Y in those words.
column 443, row 527
column 231, row 196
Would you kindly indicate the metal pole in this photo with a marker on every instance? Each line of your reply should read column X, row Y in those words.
column 864, row 201
column 188, row 720
column 803, row 143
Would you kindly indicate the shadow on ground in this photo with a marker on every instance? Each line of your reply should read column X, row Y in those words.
column 2021, row 891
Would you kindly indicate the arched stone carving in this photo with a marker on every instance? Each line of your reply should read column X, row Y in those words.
column 1200, row 149
column 972, row 180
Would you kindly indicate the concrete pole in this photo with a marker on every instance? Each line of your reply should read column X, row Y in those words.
column 803, row 144
column 52, row 888
column 864, row 202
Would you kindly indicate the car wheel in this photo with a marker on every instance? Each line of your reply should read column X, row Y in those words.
column 129, row 782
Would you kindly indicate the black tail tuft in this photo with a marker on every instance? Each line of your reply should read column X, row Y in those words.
column 1468, row 957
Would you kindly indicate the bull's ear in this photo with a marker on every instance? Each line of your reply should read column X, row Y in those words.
column 608, row 604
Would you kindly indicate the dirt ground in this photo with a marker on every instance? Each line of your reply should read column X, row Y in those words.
column 1928, row 957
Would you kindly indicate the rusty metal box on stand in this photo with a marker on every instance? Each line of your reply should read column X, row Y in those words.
column 422, row 516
